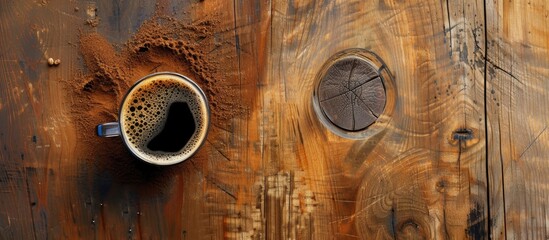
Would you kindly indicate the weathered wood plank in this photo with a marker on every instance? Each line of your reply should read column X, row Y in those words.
column 407, row 179
column 517, row 106
column 35, row 136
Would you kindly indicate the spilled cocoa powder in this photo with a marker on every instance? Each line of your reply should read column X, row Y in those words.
column 162, row 43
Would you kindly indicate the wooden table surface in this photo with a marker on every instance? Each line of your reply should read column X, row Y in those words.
column 275, row 171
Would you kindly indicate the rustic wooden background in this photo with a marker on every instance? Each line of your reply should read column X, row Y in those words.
column 479, row 65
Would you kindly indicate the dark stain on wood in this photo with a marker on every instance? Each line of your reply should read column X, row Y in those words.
column 477, row 223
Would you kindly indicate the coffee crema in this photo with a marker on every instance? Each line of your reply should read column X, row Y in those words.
column 164, row 119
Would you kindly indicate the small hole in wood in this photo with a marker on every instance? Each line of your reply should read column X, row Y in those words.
column 463, row 134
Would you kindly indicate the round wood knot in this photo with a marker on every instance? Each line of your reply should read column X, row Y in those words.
column 351, row 94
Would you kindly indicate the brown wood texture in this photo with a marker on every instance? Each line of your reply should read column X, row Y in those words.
column 458, row 153
column 517, row 70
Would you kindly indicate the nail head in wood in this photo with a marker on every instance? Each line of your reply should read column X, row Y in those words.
column 351, row 94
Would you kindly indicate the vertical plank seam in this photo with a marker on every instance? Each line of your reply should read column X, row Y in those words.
column 30, row 201
column 289, row 203
column 487, row 160
column 237, row 46
column 449, row 24
column 265, row 219
column 502, row 181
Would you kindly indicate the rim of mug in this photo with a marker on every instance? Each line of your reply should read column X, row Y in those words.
column 207, row 123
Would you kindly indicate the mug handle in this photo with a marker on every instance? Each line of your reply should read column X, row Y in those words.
column 111, row 129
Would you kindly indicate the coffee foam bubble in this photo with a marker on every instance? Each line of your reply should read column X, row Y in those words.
column 144, row 114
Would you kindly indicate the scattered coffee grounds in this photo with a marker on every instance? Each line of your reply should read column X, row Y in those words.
column 162, row 43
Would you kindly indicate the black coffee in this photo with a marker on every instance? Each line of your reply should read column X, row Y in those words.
column 164, row 119
column 177, row 131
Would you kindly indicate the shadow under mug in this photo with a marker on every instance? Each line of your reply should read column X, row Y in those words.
column 163, row 119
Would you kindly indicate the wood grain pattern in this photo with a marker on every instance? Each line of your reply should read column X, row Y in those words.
column 387, row 186
column 457, row 152
column 517, row 103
